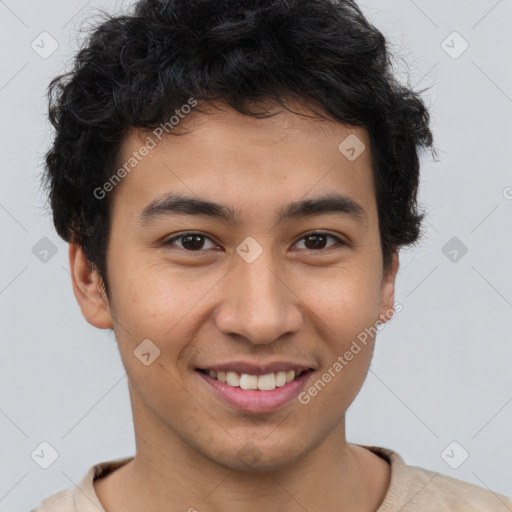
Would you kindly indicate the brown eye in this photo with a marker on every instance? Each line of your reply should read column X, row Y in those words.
column 190, row 241
column 317, row 241
column 193, row 242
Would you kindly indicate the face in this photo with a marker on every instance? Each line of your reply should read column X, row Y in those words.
column 263, row 283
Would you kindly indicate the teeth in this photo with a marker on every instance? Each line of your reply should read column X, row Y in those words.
column 281, row 379
column 249, row 381
column 266, row 382
column 232, row 379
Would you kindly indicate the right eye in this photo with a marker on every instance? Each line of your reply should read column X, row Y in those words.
column 191, row 241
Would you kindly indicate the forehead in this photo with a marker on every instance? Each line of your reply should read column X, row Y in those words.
column 222, row 152
column 214, row 120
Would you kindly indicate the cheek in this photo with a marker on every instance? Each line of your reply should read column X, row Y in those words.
column 154, row 294
column 346, row 300
column 163, row 305
column 345, row 313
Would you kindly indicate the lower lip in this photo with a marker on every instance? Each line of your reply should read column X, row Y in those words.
column 252, row 400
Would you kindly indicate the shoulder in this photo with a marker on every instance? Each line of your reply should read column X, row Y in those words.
column 82, row 498
column 415, row 489
column 59, row 502
column 442, row 492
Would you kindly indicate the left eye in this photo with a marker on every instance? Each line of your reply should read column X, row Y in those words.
column 316, row 240
column 195, row 241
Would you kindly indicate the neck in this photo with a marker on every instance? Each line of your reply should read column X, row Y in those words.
column 169, row 475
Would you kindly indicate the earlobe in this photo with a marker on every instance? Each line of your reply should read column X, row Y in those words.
column 387, row 307
column 88, row 289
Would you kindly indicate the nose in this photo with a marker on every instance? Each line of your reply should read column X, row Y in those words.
column 258, row 304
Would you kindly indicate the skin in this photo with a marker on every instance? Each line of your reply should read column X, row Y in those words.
column 208, row 306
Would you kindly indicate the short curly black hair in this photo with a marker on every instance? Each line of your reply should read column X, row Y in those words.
column 135, row 70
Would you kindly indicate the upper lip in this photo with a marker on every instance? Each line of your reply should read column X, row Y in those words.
column 256, row 368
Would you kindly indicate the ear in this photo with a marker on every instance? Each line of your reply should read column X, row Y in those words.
column 88, row 289
column 387, row 297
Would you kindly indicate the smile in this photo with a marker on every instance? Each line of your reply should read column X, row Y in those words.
column 245, row 381
column 255, row 393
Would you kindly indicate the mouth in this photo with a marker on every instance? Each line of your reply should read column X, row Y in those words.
column 255, row 393
column 246, row 381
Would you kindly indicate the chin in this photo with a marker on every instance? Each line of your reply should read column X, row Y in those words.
column 258, row 456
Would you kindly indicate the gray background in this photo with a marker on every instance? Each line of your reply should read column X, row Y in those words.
column 441, row 371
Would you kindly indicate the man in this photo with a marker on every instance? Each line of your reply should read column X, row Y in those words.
column 235, row 180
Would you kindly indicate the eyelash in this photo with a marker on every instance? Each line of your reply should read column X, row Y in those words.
column 340, row 242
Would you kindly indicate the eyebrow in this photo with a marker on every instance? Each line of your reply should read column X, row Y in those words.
column 174, row 204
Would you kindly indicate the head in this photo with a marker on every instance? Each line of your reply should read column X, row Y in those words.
column 255, row 106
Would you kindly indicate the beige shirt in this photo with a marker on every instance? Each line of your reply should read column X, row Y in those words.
column 411, row 489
